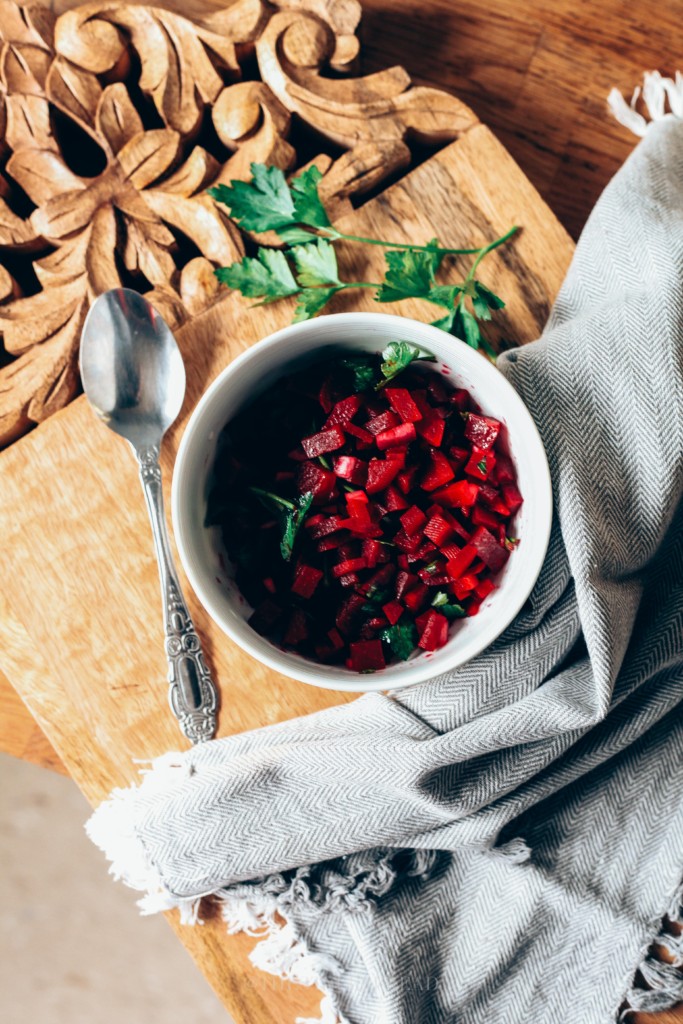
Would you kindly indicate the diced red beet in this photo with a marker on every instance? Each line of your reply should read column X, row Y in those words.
column 394, row 500
column 513, row 499
column 405, row 478
column 357, row 506
column 434, row 632
column 481, row 431
column 437, row 390
column 461, row 399
column 457, row 566
column 366, row 656
column 393, row 611
column 505, row 471
column 489, row 550
column 414, row 598
column 480, row 463
column 330, row 543
column 402, row 561
column 349, row 612
column 464, row 586
column 438, row 530
column 320, row 482
column 482, row 517
column 397, row 455
column 438, row 473
column 363, row 527
column 326, row 441
column 461, row 494
column 306, row 579
column 284, row 475
column 458, row 456
column 269, row 584
column 385, row 421
column 265, row 616
column 449, row 551
column 404, row 581
column 325, row 394
column 350, row 468
column 349, row 579
column 405, row 543
column 343, row 412
column 381, row 472
column 413, row 520
column 297, row 629
column 378, row 622
column 484, row 588
column 349, row 565
column 432, row 428
column 365, row 439
column 326, row 526
column 405, row 432
column 335, row 639
column 473, row 607
column 425, row 551
column 402, row 404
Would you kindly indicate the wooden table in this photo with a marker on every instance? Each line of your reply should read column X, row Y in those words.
column 538, row 76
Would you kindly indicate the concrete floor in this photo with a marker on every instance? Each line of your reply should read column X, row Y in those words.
column 74, row 947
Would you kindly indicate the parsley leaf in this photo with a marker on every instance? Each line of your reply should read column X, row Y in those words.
column 442, row 602
column 465, row 326
column 481, row 466
column 480, row 307
column 292, row 523
column 363, row 370
column 396, row 356
column 402, row 639
column 267, row 276
column 316, row 263
column 307, row 203
column 310, row 301
column 492, row 300
column 410, row 273
column 263, row 203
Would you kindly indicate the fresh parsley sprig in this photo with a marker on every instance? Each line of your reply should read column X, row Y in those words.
column 308, row 267
column 290, row 515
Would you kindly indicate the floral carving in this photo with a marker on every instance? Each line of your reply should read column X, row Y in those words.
column 115, row 119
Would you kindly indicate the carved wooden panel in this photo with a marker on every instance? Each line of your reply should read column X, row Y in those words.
column 115, row 119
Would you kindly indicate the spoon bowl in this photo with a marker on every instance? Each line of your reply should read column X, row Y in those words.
column 131, row 367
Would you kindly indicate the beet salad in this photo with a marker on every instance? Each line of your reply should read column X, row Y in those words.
column 365, row 504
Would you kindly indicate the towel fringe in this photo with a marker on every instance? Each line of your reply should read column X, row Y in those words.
column 664, row 980
column 655, row 92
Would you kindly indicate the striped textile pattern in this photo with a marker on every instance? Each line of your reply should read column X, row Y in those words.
column 501, row 843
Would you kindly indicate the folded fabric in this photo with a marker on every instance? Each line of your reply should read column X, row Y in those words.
column 499, row 844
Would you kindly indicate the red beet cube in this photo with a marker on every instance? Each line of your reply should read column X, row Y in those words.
column 325, row 441
column 393, row 611
column 321, row 482
column 482, row 517
column 306, row 579
column 343, row 412
column 432, row 428
column 405, row 479
column 438, row 473
column 438, row 530
column 394, row 500
column 489, row 550
column 348, row 467
column 297, row 628
column 434, row 632
column 372, row 552
column 384, row 421
column 481, row 431
column 357, row 506
column 484, row 588
column 349, row 612
column 413, row 520
column 402, row 404
column 513, row 499
column 416, row 597
column 457, row 566
column 336, row 639
column 403, row 434
column 366, row 656
column 464, row 586
column 480, row 463
column 462, row 494
column 381, row 472
column 505, row 471
column 349, row 565
column 326, row 526
column 364, row 439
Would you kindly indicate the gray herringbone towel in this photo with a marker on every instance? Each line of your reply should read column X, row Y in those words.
column 499, row 844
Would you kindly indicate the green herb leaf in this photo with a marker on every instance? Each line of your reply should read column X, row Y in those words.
column 492, row 300
column 410, row 273
column 437, row 257
column 441, row 601
column 267, row 276
column 466, row 327
column 445, row 323
column 296, row 235
column 375, row 598
column 307, row 203
column 481, row 466
column 263, row 203
column 511, row 543
column 273, row 502
column 363, row 369
column 402, row 638
column 316, row 263
column 310, row 301
column 292, row 524
column 397, row 356
column 480, row 307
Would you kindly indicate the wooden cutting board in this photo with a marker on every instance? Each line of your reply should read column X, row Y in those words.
column 80, row 623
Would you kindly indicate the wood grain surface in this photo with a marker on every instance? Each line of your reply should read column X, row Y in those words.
column 94, row 674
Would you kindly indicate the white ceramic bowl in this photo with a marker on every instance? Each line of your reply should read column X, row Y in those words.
column 256, row 370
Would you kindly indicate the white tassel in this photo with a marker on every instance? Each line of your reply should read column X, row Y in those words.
column 656, row 91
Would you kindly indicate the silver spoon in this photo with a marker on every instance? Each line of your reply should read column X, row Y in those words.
column 134, row 378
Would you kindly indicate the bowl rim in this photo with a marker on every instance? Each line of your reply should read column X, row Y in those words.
column 288, row 663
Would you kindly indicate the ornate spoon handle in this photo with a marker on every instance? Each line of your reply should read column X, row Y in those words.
column 192, row 692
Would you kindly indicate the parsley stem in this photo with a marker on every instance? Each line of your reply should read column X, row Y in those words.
column 283, row 502
column 488, row 248
column 480, row 251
